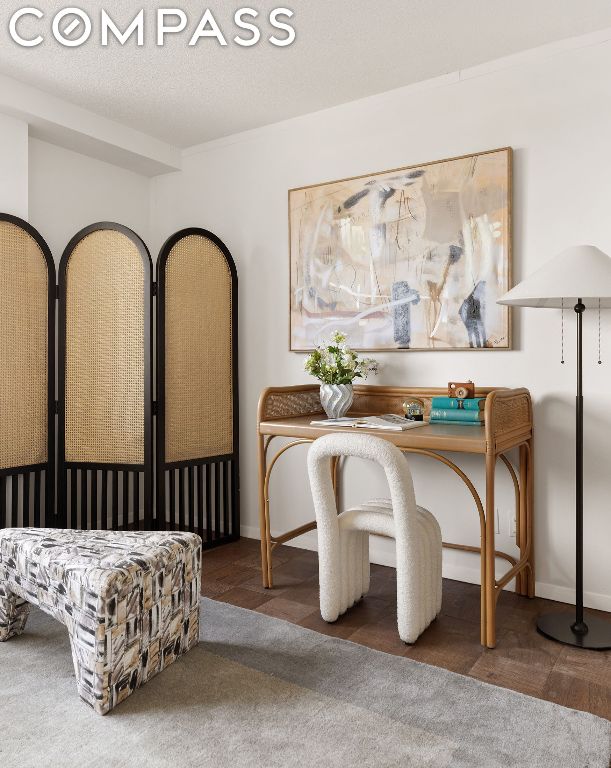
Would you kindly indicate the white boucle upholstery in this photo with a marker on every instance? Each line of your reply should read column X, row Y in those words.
column 343, row 539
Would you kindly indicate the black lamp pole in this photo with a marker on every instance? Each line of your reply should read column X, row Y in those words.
column 596, row 632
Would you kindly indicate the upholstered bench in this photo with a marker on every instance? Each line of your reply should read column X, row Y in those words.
column 130, row 600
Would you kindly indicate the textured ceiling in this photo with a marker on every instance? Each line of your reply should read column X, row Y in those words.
column 345, row 49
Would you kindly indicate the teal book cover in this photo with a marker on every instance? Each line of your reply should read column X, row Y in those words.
column 453, row 414
column 455, row 403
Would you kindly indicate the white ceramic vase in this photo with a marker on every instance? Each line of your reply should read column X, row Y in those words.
column 336, row 399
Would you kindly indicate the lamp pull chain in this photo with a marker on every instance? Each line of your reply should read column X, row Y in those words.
column 599, row 360
column 562, row 334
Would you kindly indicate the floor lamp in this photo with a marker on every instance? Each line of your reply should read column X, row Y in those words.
column 579, row 277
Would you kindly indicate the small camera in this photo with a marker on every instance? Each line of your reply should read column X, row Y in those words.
column 461, row 389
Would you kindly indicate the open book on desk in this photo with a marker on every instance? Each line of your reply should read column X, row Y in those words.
column 387, row 421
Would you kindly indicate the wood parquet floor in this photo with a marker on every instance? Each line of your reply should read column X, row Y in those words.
column 523, row 660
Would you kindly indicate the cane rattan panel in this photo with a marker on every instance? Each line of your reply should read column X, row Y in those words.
column 512, row 413
column 198, row 351
column 24, row 365
column 104, row 356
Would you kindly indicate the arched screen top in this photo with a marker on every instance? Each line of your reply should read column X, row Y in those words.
column 27, row 295
column 197, row 282
column 105, row 279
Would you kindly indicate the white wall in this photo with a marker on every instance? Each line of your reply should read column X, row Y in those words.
column 13, row 166
column 555, row 110
column 68, row 191
column 556, row 113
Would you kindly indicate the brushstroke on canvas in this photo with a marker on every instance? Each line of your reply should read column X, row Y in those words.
column 408, row 259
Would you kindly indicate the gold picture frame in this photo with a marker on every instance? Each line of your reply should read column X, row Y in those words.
column 410, row 259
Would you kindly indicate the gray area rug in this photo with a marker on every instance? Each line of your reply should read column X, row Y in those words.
column 262, row 692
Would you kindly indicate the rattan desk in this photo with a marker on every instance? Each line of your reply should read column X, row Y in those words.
column 287, row 412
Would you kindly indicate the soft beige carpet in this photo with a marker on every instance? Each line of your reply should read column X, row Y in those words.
column 262, row 692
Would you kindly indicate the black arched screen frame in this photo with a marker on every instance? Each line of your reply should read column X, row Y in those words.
column 61, row 493
column 37, row 481
column 202, row 494
column 101, row 495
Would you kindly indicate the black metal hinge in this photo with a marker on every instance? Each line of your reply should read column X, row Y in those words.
column 56, row 406
column 57, row 292
column 154, row 289
column 155, row 408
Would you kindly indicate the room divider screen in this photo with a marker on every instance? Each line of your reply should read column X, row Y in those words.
column 27, row 370
column 115, row 444
column 197, row 396
column 105, row 446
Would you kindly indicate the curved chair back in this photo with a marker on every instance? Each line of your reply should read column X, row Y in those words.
column 401, row 489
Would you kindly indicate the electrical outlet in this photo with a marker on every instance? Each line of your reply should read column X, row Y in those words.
column 512, row 525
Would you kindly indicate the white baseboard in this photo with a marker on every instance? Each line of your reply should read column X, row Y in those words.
column 455, row 571
column 567, row 595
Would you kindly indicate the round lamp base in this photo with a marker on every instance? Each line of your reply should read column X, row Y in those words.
column 559, row 626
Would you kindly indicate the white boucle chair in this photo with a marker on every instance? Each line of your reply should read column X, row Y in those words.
column 343, row 540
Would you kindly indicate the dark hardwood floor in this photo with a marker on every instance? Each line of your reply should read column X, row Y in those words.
column 523, row 660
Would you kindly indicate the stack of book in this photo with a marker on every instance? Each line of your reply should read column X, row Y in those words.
column 452, row 410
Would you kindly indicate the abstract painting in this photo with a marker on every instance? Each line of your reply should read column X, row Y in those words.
column 409, row 259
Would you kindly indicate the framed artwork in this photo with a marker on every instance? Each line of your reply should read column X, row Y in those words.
column 408, row 259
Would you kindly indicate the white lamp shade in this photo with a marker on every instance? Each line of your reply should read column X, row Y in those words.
column 581, row 272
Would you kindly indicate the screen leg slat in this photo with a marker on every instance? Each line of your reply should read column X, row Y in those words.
column 3, row 502
column 37, row 498
column 115, row 500
column 200, row 502
column 85, row 511
column 136, row 522
column 25, row 509
column 73, row 500
column 191, row 498
column 172, row 500
column 181, row 499
column 226, row 498
column 208, row 503
column 217, row 500
column 235, row 523
column 94, row 498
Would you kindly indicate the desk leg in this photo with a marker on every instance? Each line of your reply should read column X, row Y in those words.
column 264, row 516
column 522, row 521
column 483, row 599
column 530, row 522
column 522, row 577
column 490, row 553
column 526, row 586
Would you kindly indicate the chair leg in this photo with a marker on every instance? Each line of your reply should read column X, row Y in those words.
column 346, row 569
column 419, row 584
column 330, row 566
column 14, row 612
column 354, row 567
column 366, row 564
column 343, row 573
column 409, row 589
column 358, row 565
column 432, row 580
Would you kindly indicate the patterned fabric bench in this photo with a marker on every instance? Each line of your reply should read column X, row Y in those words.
column 130, row 601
